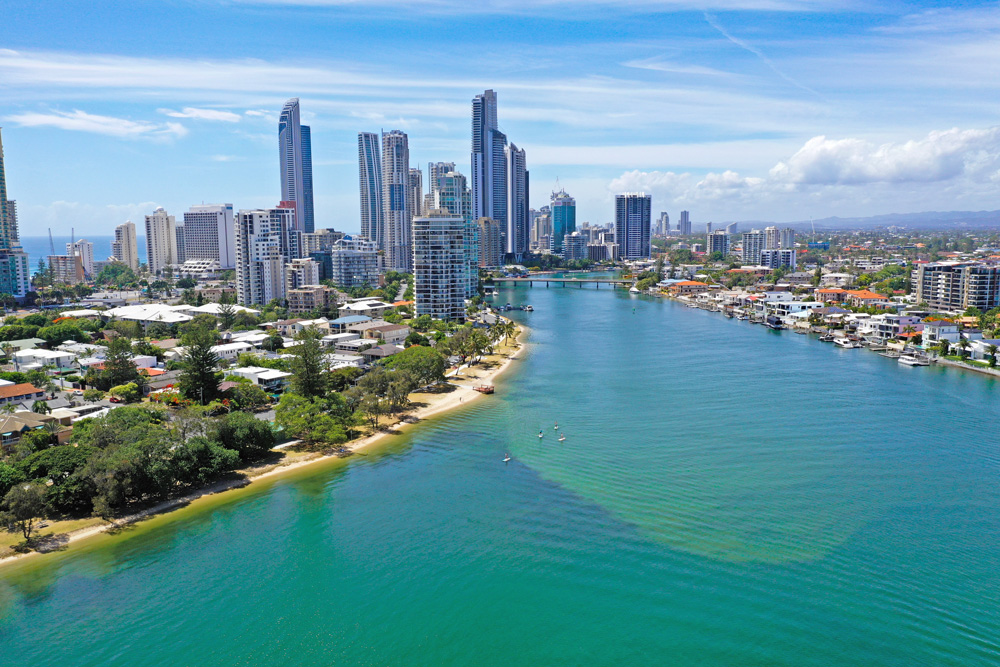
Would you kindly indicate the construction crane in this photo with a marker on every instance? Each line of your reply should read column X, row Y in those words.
column 52, row 245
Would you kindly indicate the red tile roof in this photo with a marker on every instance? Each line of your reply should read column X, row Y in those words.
column 14, row 390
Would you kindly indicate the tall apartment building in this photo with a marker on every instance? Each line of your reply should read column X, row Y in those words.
column 518, row 221
column 754, row 242
column 684, row 226
column 66, row 269
column 956, row 286
column 354, row 262
column 161, row 240
column 124, row 248
column 83, row 249
column 773, row 238
column 717, row 241
column 415, row 191
column 786, row 237
column 295, row 164
column 370, row 174
column 632, row 223
column 489, row 161
column 562, row 209
column 436, row 170
column 574, row 246
column 732, row 227
column 541, row 227
column 181, row 249
column 209, row 234
column 490, row 241
column 396, row 213
column 264, row 243
column 663, row 224
column 452, row 195
column 15, row 278
column 322, row 240
column 300, row 272
column 778, row 257
column 440, row 265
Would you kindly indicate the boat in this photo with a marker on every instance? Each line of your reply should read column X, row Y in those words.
column 506, row 457
column 827, row 338
column 634, row 290
column 847, row 344
column 529, row 308
column 562, row 436
column 485, row 389
column 773, row 322
column 913, row 360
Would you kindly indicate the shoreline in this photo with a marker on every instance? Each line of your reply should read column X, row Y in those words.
column 434, row 404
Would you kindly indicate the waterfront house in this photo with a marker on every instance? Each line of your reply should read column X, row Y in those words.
column 373, row 354
column 937, row 330
column 886, row 327
column 390, row 333
column 15, row 425
column 865, row 298
column 980, row 349
column 688, row 287
column 270, row 380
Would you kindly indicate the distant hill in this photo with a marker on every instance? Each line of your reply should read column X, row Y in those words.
column 928, row 220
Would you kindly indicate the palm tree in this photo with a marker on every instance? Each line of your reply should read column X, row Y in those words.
column 908, row 329
column 964, row 345
column 992, row 350
column 943, row 347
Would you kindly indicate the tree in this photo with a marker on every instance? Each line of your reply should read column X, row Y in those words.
column 57, row 334
column 119, row 368
column 127, row 393
column 311, row 419
column 9, row 476
column 424, row 364
column 343, row 379
column 248, row 396
column 250, row 437
column 943, row 347
column 199, row 380
column 41, row 408
column 92, row 395
column 227, row 314
column 963, row 345
column 273, row 342
column 308, row 366
column 24, row 504
column 68, row 492
column 992, row 353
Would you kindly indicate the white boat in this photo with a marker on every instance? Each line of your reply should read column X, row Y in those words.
column 847, row 344
column 529, row 308
column 562, row 437
column 912, row 360
column 506, row 457
column 634, row 289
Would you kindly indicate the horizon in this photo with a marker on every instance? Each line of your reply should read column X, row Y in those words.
column 744, row 110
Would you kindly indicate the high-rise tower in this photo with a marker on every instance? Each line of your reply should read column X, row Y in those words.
column 489, row 163
column 295, row 161
column 370, row 175
column 517, row 203
column 396, row 212
column 632, row 220
column 14, row 276
column 563, row 212
column 124, row 248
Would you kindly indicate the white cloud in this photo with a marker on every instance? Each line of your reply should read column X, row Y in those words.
column 203, row 114
column 82, row 121
column 942, row 155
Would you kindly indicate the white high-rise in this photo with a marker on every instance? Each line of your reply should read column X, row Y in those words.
column 124, row 248
column 773, row 238
column 754, row 242
column 83, row 249
column 264, row 244
column 516, row 233
column 209, row 234
column 489, row 161
column 370, row 175
column 161, row 240
column 396, row 212
column 415, row 191
column 440, row 264
column 295, row 164
column 632, row 224
column 787, row 238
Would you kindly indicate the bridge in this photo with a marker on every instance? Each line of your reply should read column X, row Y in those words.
column 579, row 282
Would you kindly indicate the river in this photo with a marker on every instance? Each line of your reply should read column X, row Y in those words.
column 725, row 495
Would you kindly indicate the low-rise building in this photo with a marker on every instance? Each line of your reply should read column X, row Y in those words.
column 687, row 287
column 390, row 333
column 311, row 297
column 16, row 393
column 270, row 380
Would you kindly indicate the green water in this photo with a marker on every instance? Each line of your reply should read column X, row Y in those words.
column 726, row 495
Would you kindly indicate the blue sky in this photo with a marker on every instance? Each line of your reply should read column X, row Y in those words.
column 734, row 109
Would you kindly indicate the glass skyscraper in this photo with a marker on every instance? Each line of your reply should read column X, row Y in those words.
column 396, row 212
column 370, row 175
column 632, row 221
column 295, row 160
column 15, row 278
column 563, row 212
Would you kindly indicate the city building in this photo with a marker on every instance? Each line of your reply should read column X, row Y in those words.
column 451, row 194
column 632, row 222
column 518, row 221
column 574, row 246
column 957, row 286
column 436, row 170
column 15, row 278
column 311, row 297
column 562, row 208
column 754, row 242
column 301, row 271
column 491, row 246
column 541, row 227
column 663, row 224
column 354, row 262
column 295, row 164
column 181, row 250
column 396, row 214
column 777, row 257
column 415, row 191
column 786, row 237
column 124, row 248
column 66, row 269
column 209, row 234
column 717, row 241
column 370, row 174
column 489, row 164
column 84, row 249
column 322, row 240
column 773, row 238
column 732, row 227
column 440, row 265
column 161, row 241
column 684, row 226
column 263, row 246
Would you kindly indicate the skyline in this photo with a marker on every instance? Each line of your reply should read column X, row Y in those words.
column 748, row 110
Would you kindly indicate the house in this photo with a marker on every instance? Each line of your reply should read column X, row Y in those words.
column 687, row 287
column 938, row 330
column 341, row 324
column 332, row 340
column 16, row 424
column 16, row 393
column 270, row 380
column 390, row 333
column 886, row 327
column 373, row 354
column 830, row 294
column 980, row 349
column 290, row 328
column 37, row 358
column 369, row 307
column 864, row 298
column 148, row 313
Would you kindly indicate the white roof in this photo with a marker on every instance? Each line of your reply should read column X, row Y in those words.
column 151, row 312
column 80, row 313
column 214, row 308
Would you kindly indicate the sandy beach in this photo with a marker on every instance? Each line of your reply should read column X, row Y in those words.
column 461, row 380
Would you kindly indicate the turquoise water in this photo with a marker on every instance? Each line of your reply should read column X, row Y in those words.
column 726, row 495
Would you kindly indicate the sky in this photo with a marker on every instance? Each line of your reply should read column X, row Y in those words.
column 736, row 110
